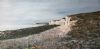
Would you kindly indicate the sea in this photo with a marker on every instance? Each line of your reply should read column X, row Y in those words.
column 15, row 27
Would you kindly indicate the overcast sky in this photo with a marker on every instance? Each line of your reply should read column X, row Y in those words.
column 27, row 12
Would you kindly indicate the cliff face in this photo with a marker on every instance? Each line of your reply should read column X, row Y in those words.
column 79, row 31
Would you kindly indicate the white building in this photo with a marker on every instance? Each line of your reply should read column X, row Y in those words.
column 62, row 21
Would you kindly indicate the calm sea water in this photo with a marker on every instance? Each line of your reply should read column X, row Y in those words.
column 14, row 27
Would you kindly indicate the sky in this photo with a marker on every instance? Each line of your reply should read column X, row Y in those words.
column 29, row 12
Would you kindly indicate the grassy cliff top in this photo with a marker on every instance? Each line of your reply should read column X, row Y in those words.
column 87, row 25
column 11, row 34
column 88, row 16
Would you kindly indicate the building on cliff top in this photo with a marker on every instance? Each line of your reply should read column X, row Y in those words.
column 59, row 22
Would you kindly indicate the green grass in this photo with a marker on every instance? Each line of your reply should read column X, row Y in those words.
column 25, row 32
